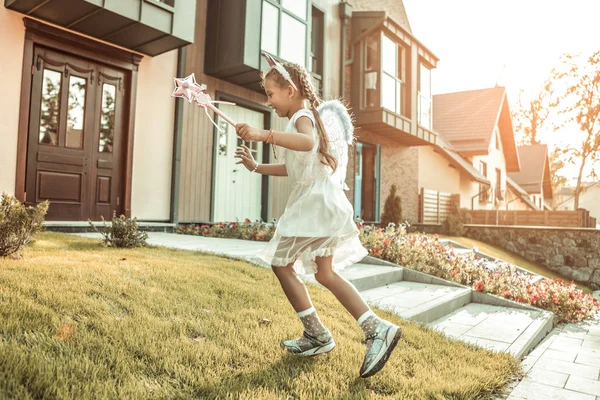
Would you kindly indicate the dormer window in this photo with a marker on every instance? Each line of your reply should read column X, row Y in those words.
column 283, row 30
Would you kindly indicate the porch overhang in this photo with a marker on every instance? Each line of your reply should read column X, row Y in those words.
column 386, row 123
column 460, row 163
column 150, row 27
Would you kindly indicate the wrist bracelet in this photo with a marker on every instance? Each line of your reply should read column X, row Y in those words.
column 255, row 168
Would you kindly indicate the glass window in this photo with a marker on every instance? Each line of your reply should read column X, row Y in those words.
column 371, row 76
column 77, row 89
column 316, row 48
column 425, row 103
column 293, row 38
column 425, row 81
column 290, row 43
column 297, row 7
column 389, row 55
column 391, row 84
column 50, row 106
column 107, row 118
column 388, row 92
column 270, row 28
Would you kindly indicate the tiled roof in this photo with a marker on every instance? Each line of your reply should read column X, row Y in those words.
column 521, row 193
column 535, row 170
column 467, row 119
column 394, row 8
column 459, row 162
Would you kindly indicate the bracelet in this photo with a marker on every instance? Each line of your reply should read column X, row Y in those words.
column 271, row 139
column 255, row 168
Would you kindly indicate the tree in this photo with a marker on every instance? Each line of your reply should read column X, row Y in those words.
column 392, row 209
column 577, row 88
column 558, row 180
column 530, row 117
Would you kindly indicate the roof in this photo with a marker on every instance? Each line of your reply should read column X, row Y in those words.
column 395, row 9
column 460, row 162
column 522, row 193
column 535, row 170
column 467, row 120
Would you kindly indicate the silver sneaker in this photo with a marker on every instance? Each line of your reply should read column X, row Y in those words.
column 379, row 347
column 308, row 345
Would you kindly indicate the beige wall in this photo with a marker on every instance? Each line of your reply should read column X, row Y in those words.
column 12, row 40
column 153, row 138
column 590, row 200
column 436, row 173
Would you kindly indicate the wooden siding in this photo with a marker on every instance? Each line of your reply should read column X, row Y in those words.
column 196, row 178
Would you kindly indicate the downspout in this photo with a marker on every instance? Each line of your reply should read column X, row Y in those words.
column 345, row 12
column 177, row 136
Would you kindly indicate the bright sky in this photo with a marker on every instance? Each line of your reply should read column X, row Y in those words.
column 513, row 42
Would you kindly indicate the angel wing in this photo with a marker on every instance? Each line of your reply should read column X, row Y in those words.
column 339, row 128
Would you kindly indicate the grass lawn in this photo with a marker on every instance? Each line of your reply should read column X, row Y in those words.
column 515, row 259
column 80, row 321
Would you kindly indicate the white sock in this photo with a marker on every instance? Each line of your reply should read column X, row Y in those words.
column 312, row 324
column 368, row 322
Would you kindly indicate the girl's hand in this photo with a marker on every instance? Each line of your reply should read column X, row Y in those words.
column 249, row 133
column 246, row 158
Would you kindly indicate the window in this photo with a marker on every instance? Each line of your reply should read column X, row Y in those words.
column 391, row 78
column 317, row 44
column 483, row 193
column 425, row 100
column 289, row 43
column 371, row 70
column 499, row 192
column 167, row 2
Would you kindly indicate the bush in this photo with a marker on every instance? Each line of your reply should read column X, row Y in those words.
column 123, row 232
column 392, row 209
column 18, row 223
column 453, row 225
column 426, row 254
column 246, row 230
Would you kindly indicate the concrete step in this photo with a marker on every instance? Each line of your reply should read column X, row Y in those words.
column 502, row 329
column 416, row 301
column 369, row 276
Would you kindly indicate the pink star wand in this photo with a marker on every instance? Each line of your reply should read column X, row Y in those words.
column 189, row 89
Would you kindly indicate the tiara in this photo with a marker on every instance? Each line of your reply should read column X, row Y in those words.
column 281, row 69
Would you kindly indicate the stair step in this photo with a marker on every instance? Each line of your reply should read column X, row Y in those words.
column 502, row 329
column 369, row 276
column 420, row 302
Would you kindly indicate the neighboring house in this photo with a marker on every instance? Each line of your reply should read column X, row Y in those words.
column 475, row 150
column 534, row 176
column 589, row 199
column 87, row 121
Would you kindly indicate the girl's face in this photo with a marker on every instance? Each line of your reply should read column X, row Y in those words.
column 278, row 98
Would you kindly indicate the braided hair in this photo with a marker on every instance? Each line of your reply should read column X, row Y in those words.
column 305, row 85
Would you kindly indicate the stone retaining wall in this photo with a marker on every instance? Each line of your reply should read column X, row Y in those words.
column 574, row 253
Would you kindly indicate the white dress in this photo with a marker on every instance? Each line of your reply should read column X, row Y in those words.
column 318, row 218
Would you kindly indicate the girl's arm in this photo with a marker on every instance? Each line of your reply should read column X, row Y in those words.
column 245, row 157
column 301, row 141
column 272, row 169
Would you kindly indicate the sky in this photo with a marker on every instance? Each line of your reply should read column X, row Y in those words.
column 514, row 43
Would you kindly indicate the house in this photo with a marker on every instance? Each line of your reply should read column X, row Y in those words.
column 589, row 198
column 87, row 121
column 475, row 151
column 534, row 176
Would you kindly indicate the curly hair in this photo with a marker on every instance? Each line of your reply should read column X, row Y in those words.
column 304, row 82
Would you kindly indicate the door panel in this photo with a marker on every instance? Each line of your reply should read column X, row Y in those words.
column 64, row 130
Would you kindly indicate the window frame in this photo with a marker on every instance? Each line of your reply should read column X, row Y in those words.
column 319, row 78
column 423, row 64
column 306, row 22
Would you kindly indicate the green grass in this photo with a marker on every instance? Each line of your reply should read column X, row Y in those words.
column 515, row 259
column 82, row 321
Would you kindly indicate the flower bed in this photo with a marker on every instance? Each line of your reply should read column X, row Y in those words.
column 425, row 253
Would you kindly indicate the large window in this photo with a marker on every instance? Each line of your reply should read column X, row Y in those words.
column 317, row 44
column 371, row 70
column 392, row 72
column 284, row 28
column 425, row 99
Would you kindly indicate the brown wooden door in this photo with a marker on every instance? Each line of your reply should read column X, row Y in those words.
column 75, row 133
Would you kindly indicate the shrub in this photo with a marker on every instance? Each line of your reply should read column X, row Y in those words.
column 246, row 230
column 392, row 209
column 123, row 232
column 453, row 225
column 19, row 223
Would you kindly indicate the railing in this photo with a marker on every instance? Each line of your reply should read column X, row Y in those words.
column 569, row 219
column 434, row 206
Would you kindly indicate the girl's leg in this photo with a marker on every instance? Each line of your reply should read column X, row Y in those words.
column 293, row 287
column 316, row 338
column 381, row 336
column 343, row 290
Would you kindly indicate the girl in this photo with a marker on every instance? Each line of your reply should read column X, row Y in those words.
column 316, row 234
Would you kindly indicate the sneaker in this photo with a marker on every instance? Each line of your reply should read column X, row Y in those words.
column 308, row 345
column 379, row 347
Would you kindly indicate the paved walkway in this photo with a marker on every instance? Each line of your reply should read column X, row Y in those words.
column 566, row 365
